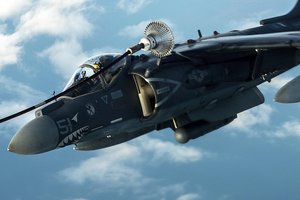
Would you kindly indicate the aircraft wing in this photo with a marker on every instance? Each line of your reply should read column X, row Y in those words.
column 241, row 43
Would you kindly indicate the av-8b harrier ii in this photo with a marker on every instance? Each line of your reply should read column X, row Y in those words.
column 193, row 87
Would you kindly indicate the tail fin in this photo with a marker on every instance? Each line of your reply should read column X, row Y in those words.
column 294, row 13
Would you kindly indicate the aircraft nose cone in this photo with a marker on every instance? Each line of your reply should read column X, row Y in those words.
column 38, row 136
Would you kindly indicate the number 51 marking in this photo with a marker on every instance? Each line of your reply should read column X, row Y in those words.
column 64, row 126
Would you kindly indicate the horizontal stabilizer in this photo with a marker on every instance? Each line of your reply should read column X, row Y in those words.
column 289, row 93
column 294, row 13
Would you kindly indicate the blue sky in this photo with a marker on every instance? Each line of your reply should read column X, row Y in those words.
column 42, row 42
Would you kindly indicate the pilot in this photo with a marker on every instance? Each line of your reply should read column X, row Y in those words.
column 96, row 67
column 105, row 60
column 102, row 64
column 108, row 73
column 79, row 75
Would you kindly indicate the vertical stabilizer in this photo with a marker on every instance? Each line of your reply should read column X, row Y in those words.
column 294, row 13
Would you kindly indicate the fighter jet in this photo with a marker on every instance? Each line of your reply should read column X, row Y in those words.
column 193, row 88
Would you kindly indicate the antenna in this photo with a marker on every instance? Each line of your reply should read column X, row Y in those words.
column 199, row 34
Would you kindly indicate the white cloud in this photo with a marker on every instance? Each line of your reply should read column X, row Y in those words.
column 64, row 20
column 134, row 31
column 21, row 96
column 120, row 167
column 172, row 189
column 3, row 28
column 249, row 22
column 7, row 108
column 132, row 6
column 105, row 50
column 66, row 56
column 137, row 30
column 245, row 23
column 160, row 191
column 109, row 168
column 249, row 119
column 168, row 151
column 260, row 117
column 190, row 196
column 9, row 50
column 288, row 129
column 56, row 18
column 13, row 8
column 19, row 90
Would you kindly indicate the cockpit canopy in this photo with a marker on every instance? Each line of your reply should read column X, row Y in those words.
column 94, row 65
column 84, row 71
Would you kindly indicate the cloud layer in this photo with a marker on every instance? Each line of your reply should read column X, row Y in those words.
column 250, row 119
column 121, row 167
column 132, row 6
column 13, row 8
column 65, row 21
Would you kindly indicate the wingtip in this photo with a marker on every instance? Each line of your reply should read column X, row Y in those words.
column 289, row 93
